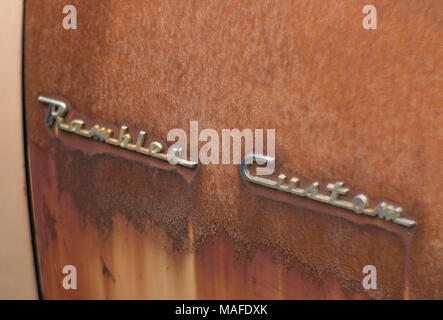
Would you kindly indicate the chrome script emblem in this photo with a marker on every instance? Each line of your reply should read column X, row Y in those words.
column 358, row 205
column 58, row 110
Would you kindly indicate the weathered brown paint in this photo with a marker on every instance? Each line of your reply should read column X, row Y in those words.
column 346, row 103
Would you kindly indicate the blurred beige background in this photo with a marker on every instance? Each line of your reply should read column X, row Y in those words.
column 17, row 274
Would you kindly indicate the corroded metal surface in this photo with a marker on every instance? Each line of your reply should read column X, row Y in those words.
column 360, row 106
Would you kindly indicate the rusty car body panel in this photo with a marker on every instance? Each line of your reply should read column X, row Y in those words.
column 354, row 105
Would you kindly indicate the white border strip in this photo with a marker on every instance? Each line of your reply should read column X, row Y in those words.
column 17, row 269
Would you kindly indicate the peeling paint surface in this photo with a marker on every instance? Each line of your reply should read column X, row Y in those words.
column 363, row 107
